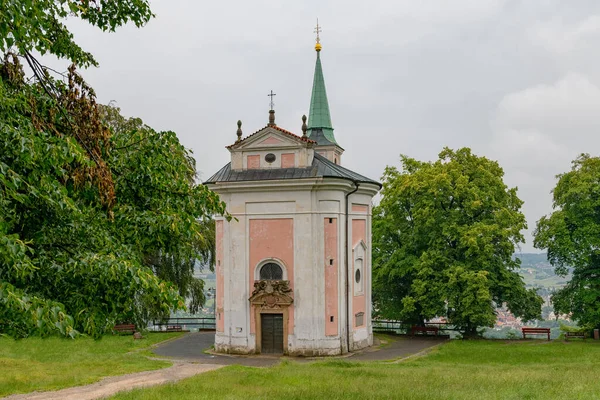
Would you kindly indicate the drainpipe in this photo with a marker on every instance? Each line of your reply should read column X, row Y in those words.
column 348, row 318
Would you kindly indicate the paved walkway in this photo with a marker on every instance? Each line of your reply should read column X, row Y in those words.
column 191, row 347
column 401, row 348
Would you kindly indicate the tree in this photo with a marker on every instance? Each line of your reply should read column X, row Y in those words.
column 82, row 216
column 571, row 234
column 28, row 25
column 166, row 188
column 443, row 239
column 89, row 217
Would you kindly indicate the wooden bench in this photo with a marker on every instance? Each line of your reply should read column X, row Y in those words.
column 425, row 330
column 174, row 328
column 569, row 335
column 124, row 328
column 535, row 331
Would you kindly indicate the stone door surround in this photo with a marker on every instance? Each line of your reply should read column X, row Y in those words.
column 271, row 297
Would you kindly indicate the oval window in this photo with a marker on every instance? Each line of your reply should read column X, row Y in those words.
column 357, row 276
column 270, row 158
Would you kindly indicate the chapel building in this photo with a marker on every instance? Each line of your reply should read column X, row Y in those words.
column 293, row 266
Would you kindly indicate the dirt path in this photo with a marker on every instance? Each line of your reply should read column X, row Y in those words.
column 111, row 385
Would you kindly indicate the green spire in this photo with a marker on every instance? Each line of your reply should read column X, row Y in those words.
column 319, row 117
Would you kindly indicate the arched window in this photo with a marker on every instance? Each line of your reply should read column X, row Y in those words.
column 271, row 272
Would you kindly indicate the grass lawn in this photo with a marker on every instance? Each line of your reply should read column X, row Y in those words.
column 458, row 370
column 32, row 364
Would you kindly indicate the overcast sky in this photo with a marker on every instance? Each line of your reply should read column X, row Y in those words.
column 517, row 81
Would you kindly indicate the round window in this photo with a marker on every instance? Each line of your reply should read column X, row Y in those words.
column 270, row 158
column 357, row 276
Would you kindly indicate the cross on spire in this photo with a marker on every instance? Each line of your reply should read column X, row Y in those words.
column 317, row 31
column 319, row 118
column 318, row 46
column 271, row 102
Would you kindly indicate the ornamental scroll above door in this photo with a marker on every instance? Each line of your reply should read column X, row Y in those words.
column 271, row 294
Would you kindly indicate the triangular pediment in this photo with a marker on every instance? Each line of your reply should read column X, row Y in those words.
column 271, row 137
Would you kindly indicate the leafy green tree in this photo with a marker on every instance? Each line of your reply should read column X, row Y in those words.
column 443, row 238
column 572, row 236
column 91, row 237
column 85, row 212
column 38, row 25
column 162, row 194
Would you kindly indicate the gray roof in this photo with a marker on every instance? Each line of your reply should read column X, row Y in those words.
column 321, row 168
column 319, row 136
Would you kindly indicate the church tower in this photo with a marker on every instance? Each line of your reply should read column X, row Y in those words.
column 293, row 266
column 320, row 128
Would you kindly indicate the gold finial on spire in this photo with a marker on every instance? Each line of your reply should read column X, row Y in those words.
column 317, row 31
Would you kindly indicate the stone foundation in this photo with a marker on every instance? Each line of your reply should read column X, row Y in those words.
column 296, row 348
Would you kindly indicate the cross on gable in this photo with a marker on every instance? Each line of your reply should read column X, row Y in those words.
column 271, row 96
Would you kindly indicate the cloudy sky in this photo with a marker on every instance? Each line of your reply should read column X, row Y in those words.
column 516, row 80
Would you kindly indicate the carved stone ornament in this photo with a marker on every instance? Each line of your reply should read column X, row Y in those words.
column 271, row 294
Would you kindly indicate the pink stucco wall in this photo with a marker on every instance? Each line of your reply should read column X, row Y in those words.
column 331, row 276
column 271, row 140
column 288, row 160
column 360, row 208
column 358, row 305
column 272, row 238
column 359, row 232
column 219, row 273
column 254, row 162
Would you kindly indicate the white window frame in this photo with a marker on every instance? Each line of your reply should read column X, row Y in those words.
column 270, row 260
column 359, row 254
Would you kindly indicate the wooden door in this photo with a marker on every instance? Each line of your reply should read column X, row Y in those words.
column 271, row 333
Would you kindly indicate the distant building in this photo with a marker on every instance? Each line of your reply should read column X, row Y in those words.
column 294, row 266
